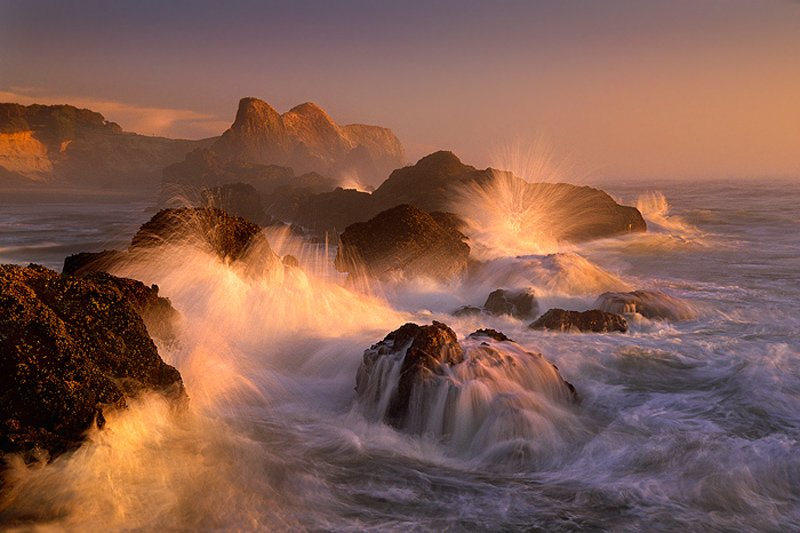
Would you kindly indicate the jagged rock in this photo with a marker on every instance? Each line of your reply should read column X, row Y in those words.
column 416, row 378
column 63, row 145
column 207, row 228
column 467, row 310
column 87, row 262
column 425, row 349
column 304, row 138
column 594, row 320
column 402, row 241
column 650, row 304
column 71, row 348
column 519, row 304
column 237, row 199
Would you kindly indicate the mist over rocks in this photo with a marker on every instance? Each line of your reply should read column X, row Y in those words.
column 64, row 146
column 593, row 320
column 304, row 138
column 520, row 303
column 652, row 304
column 402, row 242
column 70, row 349
column 422, row 379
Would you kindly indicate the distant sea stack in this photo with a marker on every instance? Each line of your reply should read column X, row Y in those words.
column 305, row 139
column 63, row 146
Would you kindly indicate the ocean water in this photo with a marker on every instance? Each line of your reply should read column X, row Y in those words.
column 683, row 425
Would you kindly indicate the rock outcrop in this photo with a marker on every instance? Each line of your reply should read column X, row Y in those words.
column 402, row 242
column 70, row 349
column 650, row 304
column 237, row 199
column 65, row 146
column 304, row 138
column 440, row 182
column 425, row 351
column 416, row 378
column 594, row 320
column 520, row 304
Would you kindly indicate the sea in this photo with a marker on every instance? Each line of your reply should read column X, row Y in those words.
column 686, row 424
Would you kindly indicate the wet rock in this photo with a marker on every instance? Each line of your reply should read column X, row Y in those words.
column 207, row 228
column 467, row 310
column 650, row 304
column 595, row 320
column 402, row 242
column 425, row 351
column 519, row 304
column 237, row 199
column 491, row 333
column 70, row 349
column 290, row 261
column 86, row 262
column 416, row 379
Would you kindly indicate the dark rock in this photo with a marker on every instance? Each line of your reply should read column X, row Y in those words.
column 519, row 304
column 70, row 348
column 402, row 241
column 491, row 333
column 237, row 199
column 427, row 349
column 587, row 321
column 467, row 310
column 650, row 304
column 87, row 262
column 206, row 228
column 290, row 261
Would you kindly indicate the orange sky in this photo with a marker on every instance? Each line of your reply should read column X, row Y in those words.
column 630, row 89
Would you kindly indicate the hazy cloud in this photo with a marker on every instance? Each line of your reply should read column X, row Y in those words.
column 139, row 119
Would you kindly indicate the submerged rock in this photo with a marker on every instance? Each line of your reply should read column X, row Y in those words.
column 650, row 304
column 421, row 379
column 71, row 348
column 519, row 304
column 402, row 242
column 595, row 320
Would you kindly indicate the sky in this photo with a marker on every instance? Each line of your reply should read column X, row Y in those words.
column 640, row 89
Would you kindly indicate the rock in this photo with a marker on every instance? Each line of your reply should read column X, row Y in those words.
column 595, row 320
column 402, row 241
column 66, row 146
column 87, row 262
column 650, row 304
column 207, row 228
column 467, row 310
column 425, row 351
column 237, row 199
column 519, row 304
column 417, row 377
column 304, row 138
column 491, row 333
column 290, row 261
column 70, row 349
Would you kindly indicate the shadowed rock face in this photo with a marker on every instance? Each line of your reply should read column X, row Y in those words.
column 305, row 139
column 208, row 228
column 427, row 350
column 650, row 304
column 67, row 146
column 436, row 183
column 580, row 322
column 70, row 348
column 237, row 199
column 519, row 304
column 402, row 241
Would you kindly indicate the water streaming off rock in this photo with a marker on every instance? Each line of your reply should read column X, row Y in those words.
column 689, row 423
